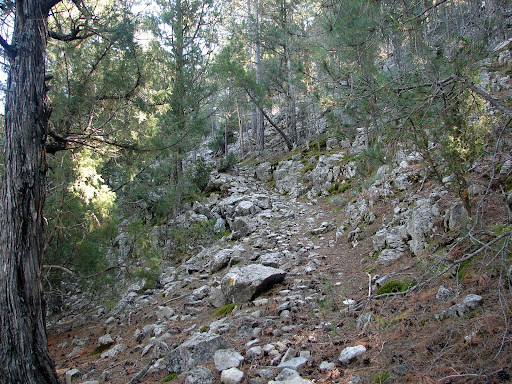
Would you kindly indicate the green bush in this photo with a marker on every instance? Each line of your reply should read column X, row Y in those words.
column 227, row 163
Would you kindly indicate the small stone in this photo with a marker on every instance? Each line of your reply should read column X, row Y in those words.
column 231, row 376
column 443, row 293
column 254, row 352
column 164, row 313
column 326, row 366
column 105, row 340
column 297, row 364
column 351, row 353
column 71, row 375
column 227, row 358
column 200, row 375
column 287, row 374
column 112, row 352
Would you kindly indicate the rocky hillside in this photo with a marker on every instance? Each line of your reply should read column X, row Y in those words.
column 325, row 275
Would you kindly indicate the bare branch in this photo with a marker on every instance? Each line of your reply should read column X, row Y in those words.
column 9, row 49
column 70, row 272
column 492, row 100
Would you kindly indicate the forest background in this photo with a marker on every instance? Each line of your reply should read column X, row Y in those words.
column 136, row 87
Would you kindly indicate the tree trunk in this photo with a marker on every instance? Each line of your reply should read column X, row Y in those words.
column 260, row 129
column 23, row 343
column 291, row 119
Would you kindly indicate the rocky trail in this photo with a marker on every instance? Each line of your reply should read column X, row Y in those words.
column 302, row 276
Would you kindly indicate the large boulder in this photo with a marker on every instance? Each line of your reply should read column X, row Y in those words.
column 420, row 225
column 200, row 348
column 264, row 172
column 242, row 284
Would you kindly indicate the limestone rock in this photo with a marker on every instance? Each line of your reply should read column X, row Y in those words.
column 200, row 375
column 220, row 225
column 351, row 353
column 242, row 284
column 72, row 375
column 232, row 376
column 287, row 374
column 164, row 313
column 199, row 348
column 112, row 352
column 105, row 340
column 220, row 259
column 227, row 358
column 264, row 172
column 297, row 364
column 469, row 303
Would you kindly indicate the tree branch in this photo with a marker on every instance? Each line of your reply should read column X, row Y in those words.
column 281, row 132
column 70, row 272
column 8, row 48
column 492, row 100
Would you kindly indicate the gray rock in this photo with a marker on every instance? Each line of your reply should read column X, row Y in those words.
column 72, row 375
column 220, row 225
column 231, row 376
column 273, row 259
column 227, row 358
column 241, row 227
column 443, row 293
column 200, row 375
column 245, row 208
column 290, row 354
column 389, row 255
column 217, row 298
column 264, row 172
column 456, row 217
column 351, row 353
column 245, row 283
column 164, row 313
column 200, row 348
column 470, row 303
column 296, row 380
column 356, row 380
column 254, row 353
column 201, row 292
column 326, row 366
column 91, row 382
column 297, row 364
column 419, row 225
column 221, row 259
column 105, row 340
column 287, row 374
column 112, row 352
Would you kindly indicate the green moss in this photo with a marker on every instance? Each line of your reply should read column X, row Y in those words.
column 101, row 349
column 463, row 270
column 381, row 377
column 224, row 310
column 308, row 168
column 394, row 286
column 170, row 376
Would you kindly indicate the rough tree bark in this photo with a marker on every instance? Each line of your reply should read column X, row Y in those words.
column 23, row 343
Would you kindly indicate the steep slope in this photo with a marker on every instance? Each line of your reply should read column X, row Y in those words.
column 384, row 262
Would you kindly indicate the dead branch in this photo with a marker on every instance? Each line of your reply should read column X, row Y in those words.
column 71, row 273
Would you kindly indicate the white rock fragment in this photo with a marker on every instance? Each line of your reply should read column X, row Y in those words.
column 231, row 376
column 351, row 353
